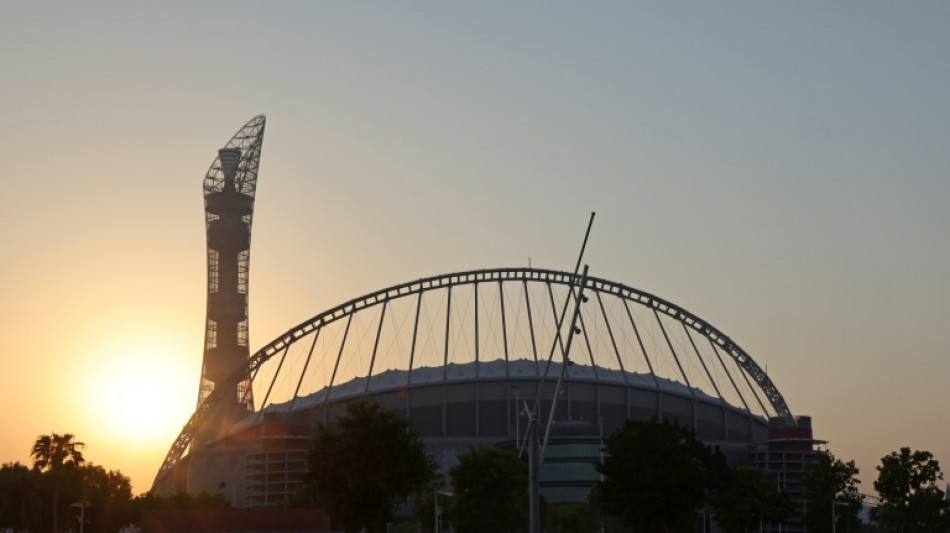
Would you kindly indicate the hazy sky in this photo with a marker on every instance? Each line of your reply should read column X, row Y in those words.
column 780, row 169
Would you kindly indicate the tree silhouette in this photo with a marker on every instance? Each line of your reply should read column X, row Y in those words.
column 911, row 501
column 746, row 497
column 20, row 501
column 490, row 491
column 52, row 452
column 107, row 495
column 829, row 481
column 30, row 497
column 365, row 465
column 655, row 476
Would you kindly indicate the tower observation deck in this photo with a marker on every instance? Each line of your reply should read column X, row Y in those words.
column 229, row 188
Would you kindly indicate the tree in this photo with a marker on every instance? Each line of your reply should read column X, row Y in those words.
column 20, row 502
column 490, row 491
column 746, row 497
column 829, row 481
column 52, row 452
column 655, row 476
column 365, row 465
column 43, row 498
column 107, row 496
column 58, row 455
column 178, row 500
column 572, row 517
column 911, row 501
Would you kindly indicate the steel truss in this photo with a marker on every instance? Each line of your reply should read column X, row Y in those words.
column 751, row 371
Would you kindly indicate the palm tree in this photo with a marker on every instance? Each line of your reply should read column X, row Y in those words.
column 20, row 506
column 51, row 452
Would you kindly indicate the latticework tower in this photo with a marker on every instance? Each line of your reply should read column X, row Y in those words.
column 229, row 188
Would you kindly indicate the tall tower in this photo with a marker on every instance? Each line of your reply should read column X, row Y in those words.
column 229, row 188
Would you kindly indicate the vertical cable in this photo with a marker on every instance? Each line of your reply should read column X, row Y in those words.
column 643, row 350
column 304, row 371
column 448, row 322
column 379, row 331
column 673, row 351
column 702, row 362
column 272, row 381
column 346, row 332
column 729, row 375
column 557, row 329
column 504, row 327
column 745, row 378
column 610, row 332
column 415, row 331
column 590, row 352
column 476, row 335
column 534, row 345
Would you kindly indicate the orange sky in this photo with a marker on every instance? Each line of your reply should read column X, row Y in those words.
column 780, row 170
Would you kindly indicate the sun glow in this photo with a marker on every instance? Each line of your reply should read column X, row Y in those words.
column 140, row 395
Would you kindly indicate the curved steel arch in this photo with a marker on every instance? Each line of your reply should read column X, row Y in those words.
column 658, row 305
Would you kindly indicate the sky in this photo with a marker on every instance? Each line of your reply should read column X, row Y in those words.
column 779, row 169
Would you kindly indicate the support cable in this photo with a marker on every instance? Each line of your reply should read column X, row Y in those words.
column 448, row 321
column 703, row 362
column 247, row 389
column 754, row 394
column 379, row 331
column 336, row 364
column 415, row 332
column 504, row 327
column 477, row 333
column 534, row 344
column 643, row 350
column 610, row 333
column 304, row 371
column 729, row 375
column 590, row 352
column 673, row 351
column 270, row 387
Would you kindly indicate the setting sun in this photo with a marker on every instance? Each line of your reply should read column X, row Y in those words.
column 141, row 395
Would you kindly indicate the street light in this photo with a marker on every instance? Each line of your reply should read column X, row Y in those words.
column 834, row 517
column 435, row 503
column 517, row 415
column 82, row 513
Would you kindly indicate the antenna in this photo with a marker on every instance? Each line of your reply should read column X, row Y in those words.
column 535, row 456
column 560, row 323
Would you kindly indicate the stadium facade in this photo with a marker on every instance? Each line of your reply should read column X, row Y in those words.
column 463, row 355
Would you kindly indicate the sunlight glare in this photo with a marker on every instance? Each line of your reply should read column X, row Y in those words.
column 142, row 395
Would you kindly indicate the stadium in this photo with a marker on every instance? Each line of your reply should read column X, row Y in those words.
column 464, row 355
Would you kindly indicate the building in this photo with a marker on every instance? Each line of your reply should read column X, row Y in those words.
column 463, row 355
column 789, row 447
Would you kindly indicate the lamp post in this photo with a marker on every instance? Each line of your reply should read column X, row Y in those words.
column 834, row 516
column 435, row 504
column 82, row 513
column 517, row 415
